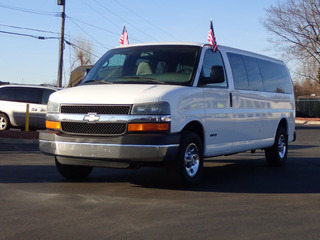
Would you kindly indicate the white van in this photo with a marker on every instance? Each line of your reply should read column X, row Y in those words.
column 171, row 104
column 13, row 104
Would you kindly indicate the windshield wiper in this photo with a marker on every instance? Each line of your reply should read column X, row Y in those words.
column 145, row 80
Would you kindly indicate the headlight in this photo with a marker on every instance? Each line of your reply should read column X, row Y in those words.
column 53, row 107
column 158, row 108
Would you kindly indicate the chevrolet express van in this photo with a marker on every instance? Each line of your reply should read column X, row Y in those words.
column 172, row 105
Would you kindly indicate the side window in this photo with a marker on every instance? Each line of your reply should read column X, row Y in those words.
column 31, row 95
column 21, row 94
column 253, row 73
column 6, row 94
column 239, row 73
column 45, row 96
column 212, row 59
column 275, row 77
column 116, row 60
column 112, row 67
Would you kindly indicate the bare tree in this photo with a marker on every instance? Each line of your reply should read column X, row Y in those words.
column 306, row 88
column 83, row 58
column 295, row 25
column 82, row 53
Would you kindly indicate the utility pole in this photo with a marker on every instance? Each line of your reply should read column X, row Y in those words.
column 61, row 47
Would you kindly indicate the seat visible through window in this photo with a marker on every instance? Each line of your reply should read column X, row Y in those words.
column 143, row 69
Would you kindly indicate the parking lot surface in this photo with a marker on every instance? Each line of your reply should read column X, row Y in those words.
column 240, row 197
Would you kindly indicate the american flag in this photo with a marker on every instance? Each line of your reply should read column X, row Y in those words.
column 212, row 38
column 124, row 37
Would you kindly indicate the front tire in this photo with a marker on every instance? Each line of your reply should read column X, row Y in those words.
column 276, row 155
column 187, row 168
column 72, row 172
column 4, row 122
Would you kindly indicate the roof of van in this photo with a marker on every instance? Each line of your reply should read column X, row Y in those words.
column 221, row 47
column 162, row 43
column 248, row 53
column 30, row 85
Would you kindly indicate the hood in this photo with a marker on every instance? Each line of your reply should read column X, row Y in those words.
column 112, row 94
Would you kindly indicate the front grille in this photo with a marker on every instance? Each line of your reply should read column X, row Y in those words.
column 94, row 128
column 99, row 109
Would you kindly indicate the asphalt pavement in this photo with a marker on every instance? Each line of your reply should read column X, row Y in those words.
column 240, row 197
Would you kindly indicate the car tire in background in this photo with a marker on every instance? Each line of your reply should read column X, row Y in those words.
column 4, row 122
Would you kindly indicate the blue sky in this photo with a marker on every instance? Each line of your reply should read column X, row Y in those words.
column 31, row 61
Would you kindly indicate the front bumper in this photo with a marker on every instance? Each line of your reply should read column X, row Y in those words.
column 109, row 151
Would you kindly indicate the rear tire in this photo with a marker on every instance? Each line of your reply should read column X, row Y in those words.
column 187, row 168
column 276, row 155
column 73, row 172
column 4, row 122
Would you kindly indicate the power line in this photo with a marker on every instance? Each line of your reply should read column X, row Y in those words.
column 103, row 29
column 31, row 29
column 113, row 23
column 74, row 45
column 144, row 19
column 44, row 38
column 89, row 5
column 125, row 21
column 28, row 35
column 72, row 18
column 75, row 40
column 29, row 10
column 87, row 33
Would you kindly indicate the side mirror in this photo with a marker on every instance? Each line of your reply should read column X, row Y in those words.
column 216, row 76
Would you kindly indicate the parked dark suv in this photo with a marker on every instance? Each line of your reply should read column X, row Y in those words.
column 13, row 103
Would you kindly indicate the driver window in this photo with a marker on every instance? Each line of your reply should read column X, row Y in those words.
column 112, row 67
column 212, row 58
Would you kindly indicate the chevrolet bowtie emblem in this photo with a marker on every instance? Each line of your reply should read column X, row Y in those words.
column 91, row 117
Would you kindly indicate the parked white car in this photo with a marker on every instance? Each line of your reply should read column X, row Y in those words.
column 13, row 104
column 173, row 105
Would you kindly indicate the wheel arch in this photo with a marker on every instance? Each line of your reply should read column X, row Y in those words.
column 6, row 115
column 283, row 123
column 9, row 121
column 196, row 127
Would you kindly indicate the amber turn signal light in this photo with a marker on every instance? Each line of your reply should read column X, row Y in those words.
column 53, row 125
column 147, row 127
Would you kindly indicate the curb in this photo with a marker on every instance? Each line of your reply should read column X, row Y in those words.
column 306, row 122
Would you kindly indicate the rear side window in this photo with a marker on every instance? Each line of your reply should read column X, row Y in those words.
column 275, row 77
column 21, row 94
column 250, row 73
column 239, row 73
column 253, row 73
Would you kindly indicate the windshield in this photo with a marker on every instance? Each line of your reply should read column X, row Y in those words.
column 146, row 65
